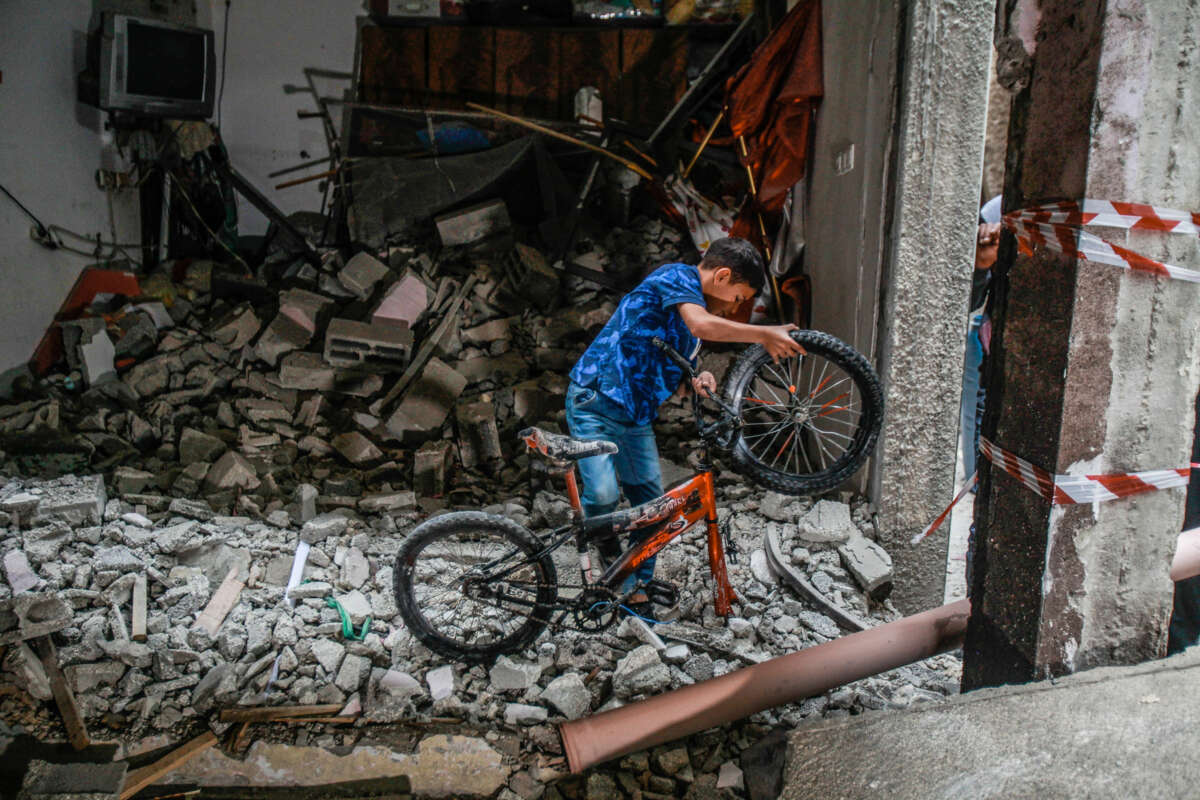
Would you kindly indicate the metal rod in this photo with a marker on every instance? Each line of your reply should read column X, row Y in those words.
column 707, row 137
column 762, row 229
column 329, row 173
column 700, row 83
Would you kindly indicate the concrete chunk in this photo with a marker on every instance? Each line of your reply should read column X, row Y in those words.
column 569, row 695
column 428, row 401
column 472, row 223
column 20, row 575
column 231, row 471
column 77, row 500
column 870, row 565
column 361, row 273
column 84, row 781
column 508, row 675
column 356, row 448
column 196, row 446
column 827, row 521
column 404, row 303
column 378, row 346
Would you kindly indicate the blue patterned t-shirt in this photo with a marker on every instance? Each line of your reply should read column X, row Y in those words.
column 622, row 364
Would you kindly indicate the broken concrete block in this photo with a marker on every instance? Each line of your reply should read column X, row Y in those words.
column 441, row 682
column 127, row 480
column 86, row 678
column 388, row 501
column 479, row 434
column 32, row 614
column 522, row 714
column 307, row 371
column 21, row 577
column 356, row 448
column 84, row 781
column 306, row 499
column 361, row 273
column 641, row 671
column 195, row 446
column 322, row 526
column 827, row 521
column 237, row 328
column 508, row 675
column 569, row 695
column 529, row 280
column 404, row 303
column 428, row 401
column 353, row 671
column 472, row 223
column 97, row 356
column 22, row 662
column 496, row 330
column 304, row 308
column 356, row 606
column 282, row 336
column 431, row 467
column 356, row 570
column 501, row 370
column 356, row 344
column 76, row 500
column 870, row 565
column 231, row 471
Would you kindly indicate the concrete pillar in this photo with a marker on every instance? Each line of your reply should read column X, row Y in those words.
column 939, row 151
column 1093, row 370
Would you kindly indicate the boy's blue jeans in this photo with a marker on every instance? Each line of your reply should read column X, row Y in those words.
column 591, row 415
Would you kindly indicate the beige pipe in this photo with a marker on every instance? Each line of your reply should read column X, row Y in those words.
column 788, row 679
column 781, row 680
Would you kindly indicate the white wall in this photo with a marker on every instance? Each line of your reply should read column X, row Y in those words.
column 270, row 44
column 50, row 147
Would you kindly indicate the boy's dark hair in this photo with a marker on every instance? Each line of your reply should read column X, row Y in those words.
column 740, row 256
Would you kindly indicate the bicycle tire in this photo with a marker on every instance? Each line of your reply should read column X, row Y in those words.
column 465, row 628
column 807, row 468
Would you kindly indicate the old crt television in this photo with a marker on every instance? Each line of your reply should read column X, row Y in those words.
column 155, row 68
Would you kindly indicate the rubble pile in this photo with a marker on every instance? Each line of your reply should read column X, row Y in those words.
column 216, row 437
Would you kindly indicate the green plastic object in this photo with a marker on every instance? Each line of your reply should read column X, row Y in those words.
column 347, row 626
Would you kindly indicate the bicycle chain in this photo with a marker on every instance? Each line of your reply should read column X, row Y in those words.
column 557, row 626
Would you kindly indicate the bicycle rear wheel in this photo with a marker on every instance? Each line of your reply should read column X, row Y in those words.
column 808, row 422
column 469, row 587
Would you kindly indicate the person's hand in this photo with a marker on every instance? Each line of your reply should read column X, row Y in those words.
column 987, row 244
column 704, row 384
column 778, row 342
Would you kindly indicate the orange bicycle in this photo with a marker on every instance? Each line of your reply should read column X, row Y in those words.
column 472, row 586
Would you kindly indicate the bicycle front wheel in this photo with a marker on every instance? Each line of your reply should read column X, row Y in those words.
column 469, row 585
column 808, row 422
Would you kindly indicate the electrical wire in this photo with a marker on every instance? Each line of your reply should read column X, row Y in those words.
column 177, row 185
column 224, row 50
column 41, row 228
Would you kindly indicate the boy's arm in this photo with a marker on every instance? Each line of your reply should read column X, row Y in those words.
column 711, row 328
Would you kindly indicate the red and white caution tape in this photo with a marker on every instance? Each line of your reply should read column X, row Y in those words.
column 933, row 526
column 1068, row 489
column 1058, row 226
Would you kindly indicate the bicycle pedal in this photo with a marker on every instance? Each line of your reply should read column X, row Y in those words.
column 661, row 593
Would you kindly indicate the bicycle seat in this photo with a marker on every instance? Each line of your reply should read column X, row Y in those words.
column 564, row 448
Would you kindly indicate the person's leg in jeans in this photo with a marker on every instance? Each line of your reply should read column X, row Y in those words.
column 640, row 475
column 970, row 401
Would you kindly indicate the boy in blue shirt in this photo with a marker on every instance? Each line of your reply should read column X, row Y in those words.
column 622, row 378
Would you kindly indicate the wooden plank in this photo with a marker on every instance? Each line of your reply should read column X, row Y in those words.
column 527, row 71
column 68, row 709
column 221, row 603
column 462, row 65
column 653, row 73
column 270, row 713
column 139, row 779
column 322, row 720
column 138, row 622
column 589, row 58
column 392, row 67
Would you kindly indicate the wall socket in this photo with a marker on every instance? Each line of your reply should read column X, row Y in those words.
column 843, row 159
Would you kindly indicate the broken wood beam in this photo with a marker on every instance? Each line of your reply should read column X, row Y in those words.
column 137, row 623
column 64, row 698
column 345, row 720
column 272, row 713
column 632, row 166
column 139, row 779
column 427, row 347
column 222, row 602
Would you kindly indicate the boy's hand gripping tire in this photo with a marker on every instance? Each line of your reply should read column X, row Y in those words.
column 808, row 422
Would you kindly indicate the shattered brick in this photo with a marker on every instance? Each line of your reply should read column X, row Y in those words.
column 361, row 273
column 404, row 303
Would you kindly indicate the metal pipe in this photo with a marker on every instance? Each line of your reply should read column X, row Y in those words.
column 786, row 679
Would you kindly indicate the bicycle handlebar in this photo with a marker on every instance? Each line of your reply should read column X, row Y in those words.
column 674, row 355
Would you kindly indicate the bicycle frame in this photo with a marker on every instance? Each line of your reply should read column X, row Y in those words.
column 677, row 510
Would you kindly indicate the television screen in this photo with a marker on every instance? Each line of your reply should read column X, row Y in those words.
column 165, row 62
